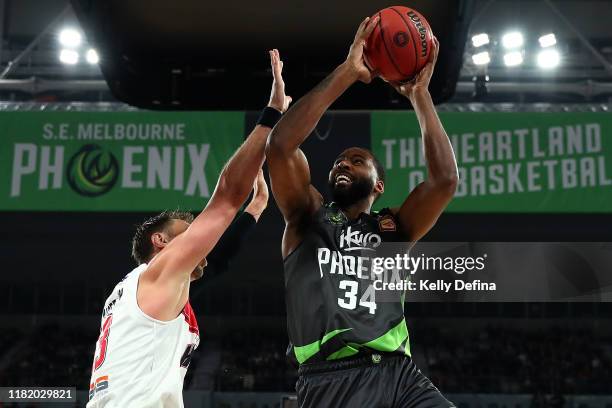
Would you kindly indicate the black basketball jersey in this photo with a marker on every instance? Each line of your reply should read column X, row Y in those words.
column 332, row 311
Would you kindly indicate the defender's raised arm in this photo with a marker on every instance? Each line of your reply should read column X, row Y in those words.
column 162, row 292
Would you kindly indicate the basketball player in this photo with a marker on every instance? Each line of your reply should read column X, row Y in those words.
column 148, row 328
column 352, row 351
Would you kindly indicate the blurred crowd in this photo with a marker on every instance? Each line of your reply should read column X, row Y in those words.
column 517, row 361
column 492, row 360
column 50, row 356
column 488, row 360
column 255, row 362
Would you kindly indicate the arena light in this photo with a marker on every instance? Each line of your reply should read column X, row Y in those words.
column 69, row 57
column 513, row 40
column 479, row 40
column 549, row 58
column 482, row 58
column 514, row 58
column 547, row 40
column 69, row 37
column 92, row 56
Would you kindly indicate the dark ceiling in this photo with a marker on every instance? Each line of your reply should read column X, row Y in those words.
column 316, row 32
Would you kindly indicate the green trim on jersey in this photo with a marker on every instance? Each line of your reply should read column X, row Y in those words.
column 346, row 351
column 391, row 340
column 388, row 342
column 407, row 346
column 303, row 353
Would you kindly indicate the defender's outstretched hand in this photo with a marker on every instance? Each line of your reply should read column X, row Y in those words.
column 422, row 79
column 278, row 99
column 355, row 57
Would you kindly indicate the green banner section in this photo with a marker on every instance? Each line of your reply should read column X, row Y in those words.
column 508, row 162
column 114, row 161
column 149, row 161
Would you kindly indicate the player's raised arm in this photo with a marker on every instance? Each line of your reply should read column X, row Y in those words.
column 289, row 171
column 161, row 292
column 428, row 200
column 238, row 233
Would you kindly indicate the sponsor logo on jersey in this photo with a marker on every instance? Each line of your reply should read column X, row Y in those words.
column 387, row 223
column 356, row 240
column 335, row 218
column 337, row 262
column 100, row 386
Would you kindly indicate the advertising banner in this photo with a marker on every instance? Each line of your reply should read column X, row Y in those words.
column 508, row 162
column 114, row 161
column 147, row 161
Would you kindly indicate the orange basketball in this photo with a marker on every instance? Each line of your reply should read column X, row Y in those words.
column 400, row 45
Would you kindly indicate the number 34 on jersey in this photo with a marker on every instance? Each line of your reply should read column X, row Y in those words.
column 349, row 300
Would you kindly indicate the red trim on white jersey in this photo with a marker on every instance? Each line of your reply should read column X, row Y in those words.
column 191, row 319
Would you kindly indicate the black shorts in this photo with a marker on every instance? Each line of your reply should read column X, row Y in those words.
column 372, row 381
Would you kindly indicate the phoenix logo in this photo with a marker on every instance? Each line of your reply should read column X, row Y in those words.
column 92, row 172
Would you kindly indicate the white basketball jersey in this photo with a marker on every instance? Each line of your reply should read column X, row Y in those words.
column 140, row 361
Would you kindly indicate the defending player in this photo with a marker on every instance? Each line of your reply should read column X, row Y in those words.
column 352, row 351
column 148, row 329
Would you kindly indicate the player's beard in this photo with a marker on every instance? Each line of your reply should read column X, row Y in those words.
column 357, row 190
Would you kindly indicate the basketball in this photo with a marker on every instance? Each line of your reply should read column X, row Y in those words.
column 400, row 44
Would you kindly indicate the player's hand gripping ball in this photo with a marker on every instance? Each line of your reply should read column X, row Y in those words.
column 400, row 45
